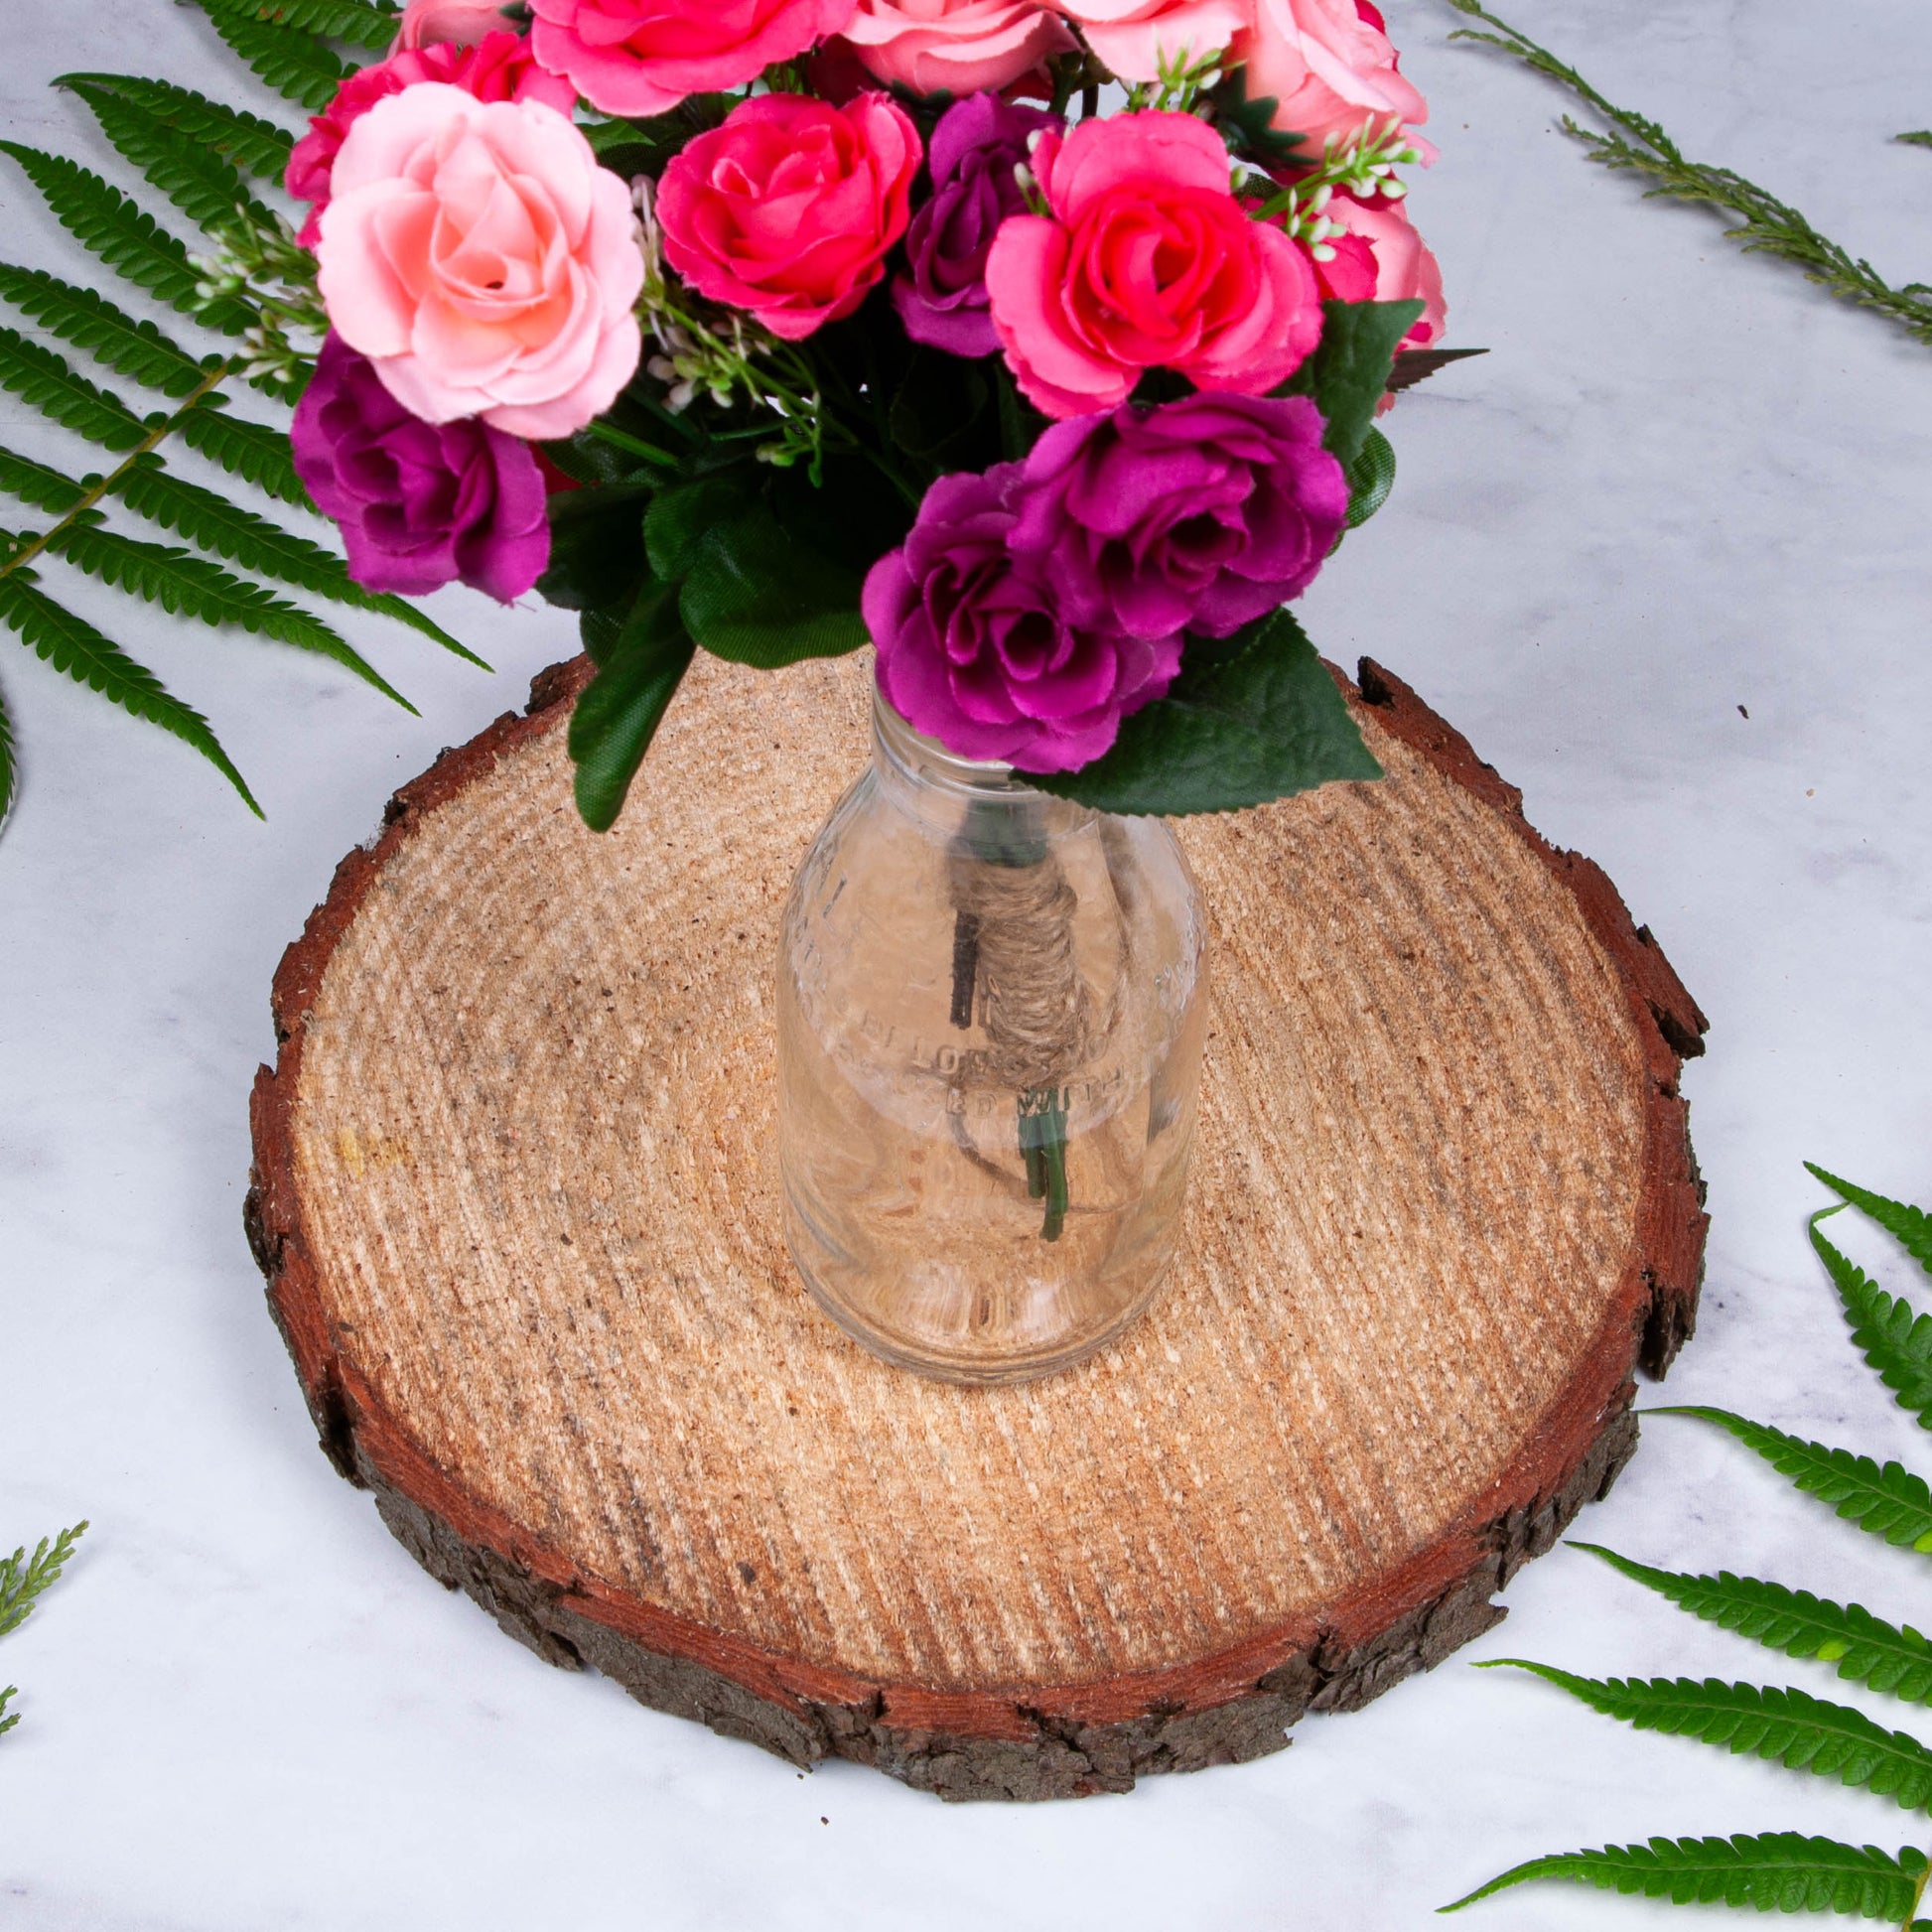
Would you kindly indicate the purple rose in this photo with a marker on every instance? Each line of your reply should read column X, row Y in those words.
column 975, row 149
column 975, row 649
column 1200, row 514
column 420, row 504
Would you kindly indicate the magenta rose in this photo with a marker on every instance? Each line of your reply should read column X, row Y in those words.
column 497, row 67
column 1197, row 515
column 787, row 208
column 1329, row 67
column 419, row 504
column 1146, row 261
column 958, row 47
column 976, row 651
column 643, row 56
column 941, row 297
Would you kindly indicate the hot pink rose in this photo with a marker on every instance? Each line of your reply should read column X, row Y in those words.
column 1329, row 67
column 958, row 47
column 1404, row 269
column 462, row 23
column 485, row 264
column 1148, row 262
column 498, row 67
column 1130, row 36
column 643, row 56
column 787, row 208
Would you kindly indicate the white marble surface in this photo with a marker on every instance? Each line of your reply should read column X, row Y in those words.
column 1684, row 483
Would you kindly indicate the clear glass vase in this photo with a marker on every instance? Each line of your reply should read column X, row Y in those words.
column 991, row 1008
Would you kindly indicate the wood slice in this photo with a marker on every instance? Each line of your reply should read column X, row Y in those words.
column 515, row 1198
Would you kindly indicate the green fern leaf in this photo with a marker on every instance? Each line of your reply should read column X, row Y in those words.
column 251, row 143
column 1781, row 1871
column 1910, row 1226
column 124, row 235
column 1788, row 1727
column 372, row 26
column 206, row 189
column 1890, row 1502
column 190, row 586
column 296, row 64
column 73, row 647
column 1885, row 1328
column 34, row 483
column 38, row 376
column 253, row 452
column 130, row 347
column 1867, row 1650
column 9, row 778
column 256, row 544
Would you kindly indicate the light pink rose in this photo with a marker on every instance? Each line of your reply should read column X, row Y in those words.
column 643, row 56
column 788, row 206
column 1404, row 269
column 463, row 22
column 960, row 46
column 1130, row 36
column 1146, row 261
column 1329, row 67
column 480, row 258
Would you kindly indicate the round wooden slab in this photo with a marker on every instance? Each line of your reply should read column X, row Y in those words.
column 514, row 1200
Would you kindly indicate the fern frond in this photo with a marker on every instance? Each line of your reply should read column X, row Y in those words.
column 251, row 143
column 8, row 1719
column 1786, row 1726
column 1893, row 1336
column 361, row 25
column 130, row 346
column 253, row 452
column 38, row 376
column 206, row 187
column 124, row 235
column 73, row 647
column 190, row 586
column 1910, row 1226
column 34, row 483
column 1885, row 1657
column 256, row 544
column 24, row 1577
column 1890, row 1502
column 1781, row 1871
column 296, row 64
column 9, row 778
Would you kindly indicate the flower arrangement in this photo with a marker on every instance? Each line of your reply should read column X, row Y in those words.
column 777, row 326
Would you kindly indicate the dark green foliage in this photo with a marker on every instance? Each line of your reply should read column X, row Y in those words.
column 638, row 667
column 253, row 452
column 1920, row 137
column 1893, row 1338
column 1250, row 719
column 132, row 347
column 1370, row 477
column 297, row 65
column 34, row 483
column 9, row 778
column 753, row 592
column 259, row 147
column 38, row 376
column 597, row 547
column 1867, row 1650
column 206, row 187
column 352, row 21
column 1801, row 1733
column 1910, row 1226
column 1780, row 1871
column 1248, row 126
column 1348, row 373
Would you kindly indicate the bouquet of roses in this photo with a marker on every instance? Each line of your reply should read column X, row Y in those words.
column 777, row 327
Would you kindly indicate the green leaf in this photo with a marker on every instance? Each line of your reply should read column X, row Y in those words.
column 677, row 519
column 124, row 235
column 1910, row 1227
column 361, row 25
column 9, row 779
column 1250, row 719
column 75, row 648
column 1919, row 137
column 1348, row 373
column 34, row 483
column 1893, row 1338
column 206, row 189
column 597, row 547
column 756, row 594
column 638, row 672
column 127, row 345
column 255, row 452
column 298, row 65
column 22, row 1579
column 1370, row 477
column 1788, row 1727
column 247, row 140
column 192, row 587
column 38, row 376
column 1890, row 1502
column 1248, row 126
column 1781, row 1871
column 938, row 405
column 1867, row 1650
